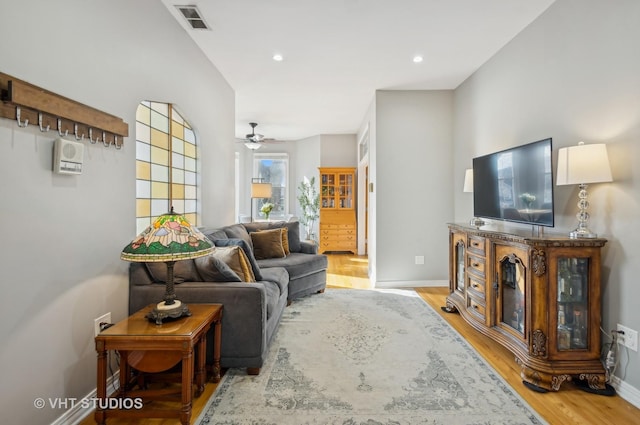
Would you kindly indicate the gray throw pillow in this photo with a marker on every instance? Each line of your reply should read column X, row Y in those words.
column 212, row 269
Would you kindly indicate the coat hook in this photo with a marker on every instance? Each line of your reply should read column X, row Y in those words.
column 60, row 129
column 75, row 132
column 115, row 142
column 104, row 139
column 91, row 136
column 40, row 123
column 26, row 122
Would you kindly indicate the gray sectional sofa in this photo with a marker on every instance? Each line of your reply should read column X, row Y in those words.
column 252, row 310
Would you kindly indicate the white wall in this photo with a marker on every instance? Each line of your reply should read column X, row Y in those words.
column 338, row 150
column 62, row 235
column 573, row 74
column 306, row 167
column 412, row 174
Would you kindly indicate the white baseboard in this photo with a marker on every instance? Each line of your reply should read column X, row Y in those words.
column 626, row 391
column 412, row 284
column 78, row 413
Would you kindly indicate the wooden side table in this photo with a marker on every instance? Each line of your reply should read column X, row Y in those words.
column 148, row 347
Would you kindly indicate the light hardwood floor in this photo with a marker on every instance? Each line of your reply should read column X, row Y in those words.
column 566, row 407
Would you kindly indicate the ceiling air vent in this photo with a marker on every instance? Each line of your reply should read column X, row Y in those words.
column 193, row 17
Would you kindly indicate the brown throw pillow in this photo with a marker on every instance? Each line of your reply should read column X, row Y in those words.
column 267, row 244
column 285, row 241
column 236, row 259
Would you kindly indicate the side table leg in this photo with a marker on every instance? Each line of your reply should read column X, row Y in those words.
column 217, row 341
column 100, row 415
column 125, row 372
column 201, row 371
column 187, row 383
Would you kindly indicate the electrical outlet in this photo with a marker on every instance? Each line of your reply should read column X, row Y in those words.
column 105, row 318
column 419, row 259
column 629, row 338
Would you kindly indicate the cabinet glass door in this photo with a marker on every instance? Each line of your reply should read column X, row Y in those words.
column 572, row 300
column 344, row 191
column 512, row 293
column 327, row 189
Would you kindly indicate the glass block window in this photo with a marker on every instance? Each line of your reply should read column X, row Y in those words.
column 166, row 164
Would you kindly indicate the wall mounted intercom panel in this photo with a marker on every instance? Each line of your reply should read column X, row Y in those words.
column 67, row 157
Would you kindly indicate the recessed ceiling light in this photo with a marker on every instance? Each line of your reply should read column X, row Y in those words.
column 277, row 57
column 417, row 59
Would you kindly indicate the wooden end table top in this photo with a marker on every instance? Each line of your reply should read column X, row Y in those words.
column 138, row 326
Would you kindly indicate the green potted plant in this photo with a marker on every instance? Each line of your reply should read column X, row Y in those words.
column 309, row 200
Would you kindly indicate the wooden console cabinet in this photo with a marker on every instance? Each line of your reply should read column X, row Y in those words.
column 540, row 297
column 338, row 210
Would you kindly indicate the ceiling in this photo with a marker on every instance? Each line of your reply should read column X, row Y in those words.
column 337, row 53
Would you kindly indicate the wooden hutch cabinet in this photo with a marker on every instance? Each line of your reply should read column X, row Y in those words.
column 337, row 210
column 540, row 297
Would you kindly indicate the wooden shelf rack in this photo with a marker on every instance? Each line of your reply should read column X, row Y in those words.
column 29, row 104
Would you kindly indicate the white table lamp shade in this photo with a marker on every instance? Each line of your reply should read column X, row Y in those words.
column 583, row 164
column 468, row 180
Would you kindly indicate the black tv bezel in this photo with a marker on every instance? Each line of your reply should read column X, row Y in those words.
column 515, row 148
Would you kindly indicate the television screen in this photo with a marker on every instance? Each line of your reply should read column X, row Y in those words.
column 515, row 184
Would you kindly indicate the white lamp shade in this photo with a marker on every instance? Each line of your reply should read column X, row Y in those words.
column 583, row 164
column 468, row 180
column 261, row 190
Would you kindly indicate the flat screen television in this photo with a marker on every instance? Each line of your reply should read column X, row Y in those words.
column 515, row 184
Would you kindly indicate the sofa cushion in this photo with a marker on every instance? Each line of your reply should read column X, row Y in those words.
column 235, row 258
column 183, row 271
column 297, row 264
column 237, row 231
column 267, row 244
column 273, row 295
column 279, row 276
column 212, row 269
column 212, row 233
column 247, row 250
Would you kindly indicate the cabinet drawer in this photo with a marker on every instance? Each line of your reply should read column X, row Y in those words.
column 476, row 244
column 476, row 287
column 475, row 265
column 476, row 306
column 337, row 226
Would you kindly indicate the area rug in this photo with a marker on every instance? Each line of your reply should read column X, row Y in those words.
column 367, row 357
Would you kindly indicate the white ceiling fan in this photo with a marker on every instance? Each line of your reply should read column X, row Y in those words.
column 255, row 140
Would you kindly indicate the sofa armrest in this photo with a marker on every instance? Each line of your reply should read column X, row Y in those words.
column 308, row 247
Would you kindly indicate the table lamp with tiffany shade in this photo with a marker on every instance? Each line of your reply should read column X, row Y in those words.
column 169, row 239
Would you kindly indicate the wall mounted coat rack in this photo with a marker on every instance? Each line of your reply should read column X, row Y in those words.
column 29, row 104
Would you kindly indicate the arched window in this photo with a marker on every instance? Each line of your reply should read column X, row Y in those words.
column 166, row 164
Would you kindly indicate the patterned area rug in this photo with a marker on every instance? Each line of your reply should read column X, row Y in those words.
column 367, row 357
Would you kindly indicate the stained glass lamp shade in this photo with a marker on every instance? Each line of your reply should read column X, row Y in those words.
column 169, row 239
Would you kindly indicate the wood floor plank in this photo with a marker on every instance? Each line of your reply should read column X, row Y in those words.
column 565, row 407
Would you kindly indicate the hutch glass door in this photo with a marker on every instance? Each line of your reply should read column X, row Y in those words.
column 572, row 301
column 511, row 293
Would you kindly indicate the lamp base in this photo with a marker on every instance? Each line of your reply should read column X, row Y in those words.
column 168, row 311
column 477, row 222
column 582, row 234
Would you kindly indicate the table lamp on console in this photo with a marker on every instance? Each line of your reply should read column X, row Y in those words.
column 581, row 165
column 468, row 188
column 169, row 239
